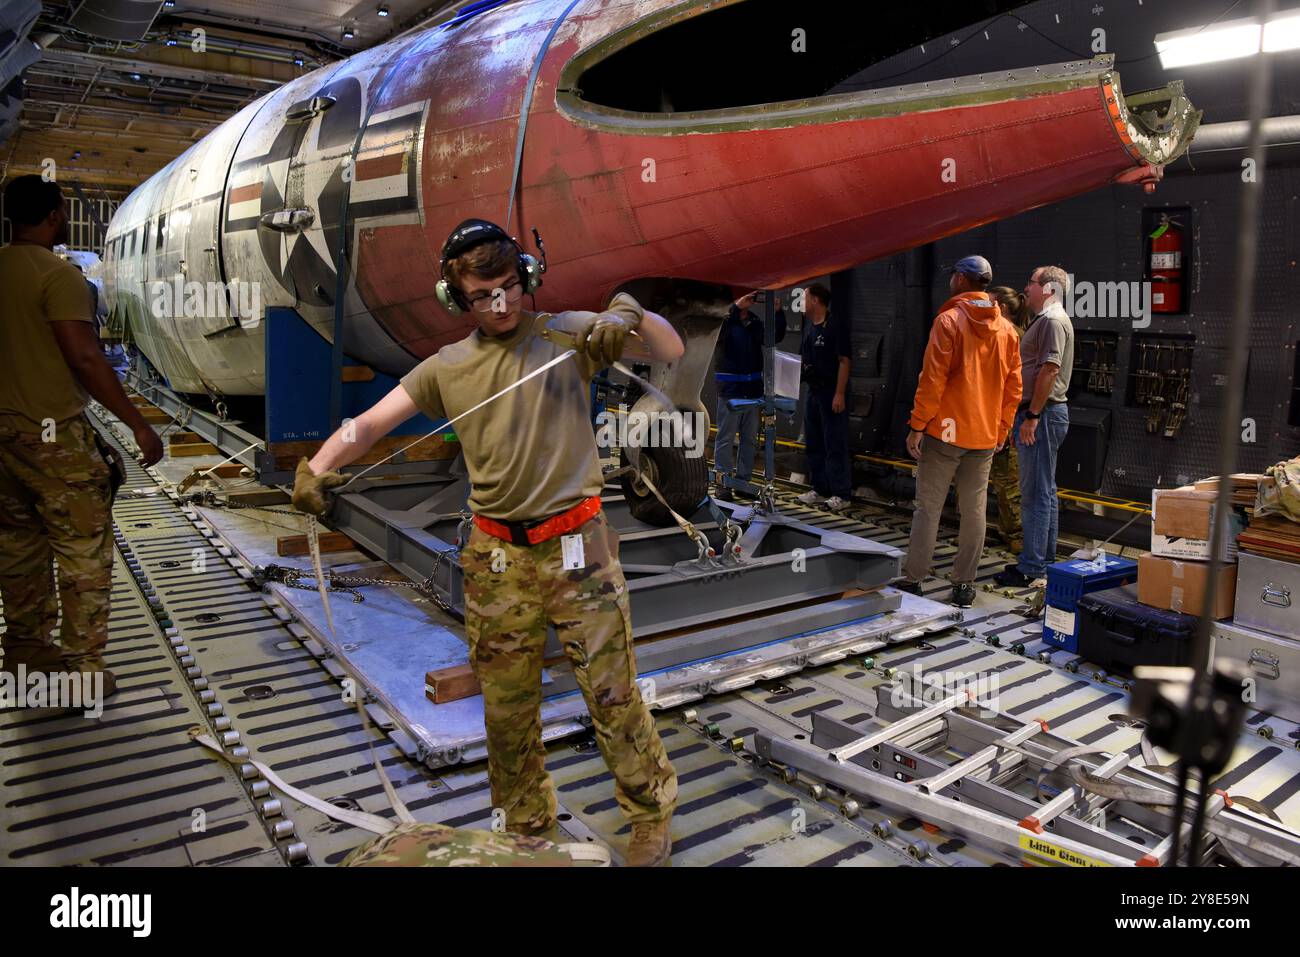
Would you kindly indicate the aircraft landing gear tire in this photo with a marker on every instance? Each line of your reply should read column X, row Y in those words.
column 683, row 481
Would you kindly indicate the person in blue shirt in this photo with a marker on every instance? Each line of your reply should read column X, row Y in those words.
column 740, row 376
column 827, row 354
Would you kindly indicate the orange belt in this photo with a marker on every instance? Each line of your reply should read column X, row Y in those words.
column 532, row 533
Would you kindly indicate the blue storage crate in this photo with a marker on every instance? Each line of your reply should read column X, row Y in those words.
column 1067, row 582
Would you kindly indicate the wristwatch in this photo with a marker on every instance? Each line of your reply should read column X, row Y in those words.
column 1031, row 414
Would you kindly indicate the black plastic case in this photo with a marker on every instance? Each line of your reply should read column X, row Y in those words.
column 1118, row 632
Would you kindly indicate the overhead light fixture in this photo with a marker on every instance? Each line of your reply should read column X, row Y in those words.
column 297, row 61
column 135, row 76
column 171, row 43
column 1228, row 41
column 383, row 10
column 1283, row 33
column 348, row 33
column 169, row 3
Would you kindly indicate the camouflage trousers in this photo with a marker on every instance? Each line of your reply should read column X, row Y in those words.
column 55, row 503
column 511, row 592
column 1004, row 476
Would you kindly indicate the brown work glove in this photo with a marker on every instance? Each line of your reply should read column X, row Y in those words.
column 309, row 488
column 605, row 333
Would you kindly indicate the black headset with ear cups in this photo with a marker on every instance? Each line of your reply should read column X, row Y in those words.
column 471, row 233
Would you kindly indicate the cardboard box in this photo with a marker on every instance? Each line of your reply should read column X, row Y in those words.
column 1181, row 520
column 1182, row 512
column 1180, row 585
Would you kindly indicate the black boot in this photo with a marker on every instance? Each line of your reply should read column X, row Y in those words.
column 1012, row 577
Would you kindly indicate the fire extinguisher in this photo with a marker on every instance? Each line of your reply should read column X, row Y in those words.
column 1167, row 266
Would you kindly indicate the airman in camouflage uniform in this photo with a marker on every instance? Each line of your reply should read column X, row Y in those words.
column 510, row 590
column 55, row 486
column 534, row 484
column 54, row 502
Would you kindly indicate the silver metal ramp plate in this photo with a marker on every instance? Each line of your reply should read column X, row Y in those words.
column 389, row 649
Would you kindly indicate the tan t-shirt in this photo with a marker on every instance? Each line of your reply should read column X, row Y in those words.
column 37, row 288
column 532, row 452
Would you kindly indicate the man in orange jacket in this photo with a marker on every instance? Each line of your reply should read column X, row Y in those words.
column 965, row 404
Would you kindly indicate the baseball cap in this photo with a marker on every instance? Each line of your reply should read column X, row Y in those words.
column 976, row 266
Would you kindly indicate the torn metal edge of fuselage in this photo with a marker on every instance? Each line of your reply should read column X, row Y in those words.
column 1157, row 143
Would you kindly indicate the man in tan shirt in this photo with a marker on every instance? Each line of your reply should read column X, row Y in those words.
column 55, row 492
column 541, row 550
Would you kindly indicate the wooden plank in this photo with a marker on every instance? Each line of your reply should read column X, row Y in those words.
column 181, row 438
column 358, row 374
column 229, row 470
column 154, row 416
column 297, row 544
column 450, row 684
column 186, row 449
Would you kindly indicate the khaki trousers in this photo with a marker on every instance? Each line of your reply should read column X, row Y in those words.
column 940, row 464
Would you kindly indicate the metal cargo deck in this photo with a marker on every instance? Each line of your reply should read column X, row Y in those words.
column 207, row 650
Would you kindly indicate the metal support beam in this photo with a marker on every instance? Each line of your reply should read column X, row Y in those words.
column 160, row 70
column 783, row 560
column 230, row 437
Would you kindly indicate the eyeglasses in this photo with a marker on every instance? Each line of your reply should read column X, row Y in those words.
column 513, row 292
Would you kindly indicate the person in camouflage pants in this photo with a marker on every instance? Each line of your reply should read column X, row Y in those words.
column 1004, row 475
column 55, row 486
column 55, row 500
column 535, row 480
column 510, row 590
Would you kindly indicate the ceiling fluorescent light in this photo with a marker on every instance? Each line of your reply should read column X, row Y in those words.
column 1228, row 41
column 1225, row 41
column 1282, row 33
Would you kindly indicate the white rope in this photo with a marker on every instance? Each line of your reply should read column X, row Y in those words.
column 514, row 385
column 313, row 541
column 656, row 393
column 362, row 819
column 313, row 546
column 229, row 459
